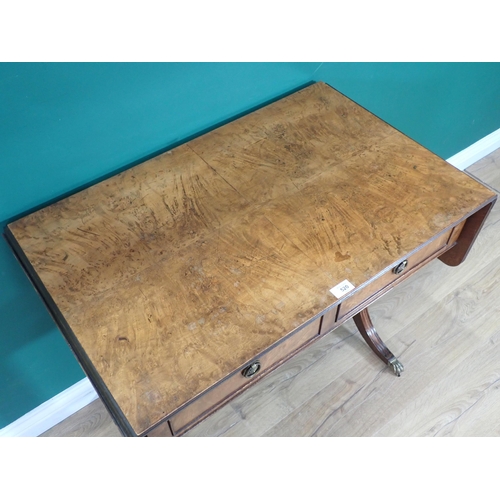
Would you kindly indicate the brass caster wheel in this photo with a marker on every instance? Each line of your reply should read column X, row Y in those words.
column 396, row 366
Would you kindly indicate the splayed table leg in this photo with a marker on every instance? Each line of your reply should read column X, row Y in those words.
column 367, row 330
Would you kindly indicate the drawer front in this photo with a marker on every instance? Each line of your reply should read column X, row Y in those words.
column 456, row 233
column 414, row 260
column 162, row 430
column 329, row 321
column 212, row 399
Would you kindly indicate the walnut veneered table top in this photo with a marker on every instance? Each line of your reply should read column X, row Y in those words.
column 175, row 273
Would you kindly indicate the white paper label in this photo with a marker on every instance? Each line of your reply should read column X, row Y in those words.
column 342, row 288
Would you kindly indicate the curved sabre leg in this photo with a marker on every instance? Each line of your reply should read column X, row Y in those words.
column 367, row 330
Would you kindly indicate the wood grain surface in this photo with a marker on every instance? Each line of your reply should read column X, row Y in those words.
column 174, row 274
column 338, row 388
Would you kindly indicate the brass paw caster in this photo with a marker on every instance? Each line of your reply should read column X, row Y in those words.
column 396, row 366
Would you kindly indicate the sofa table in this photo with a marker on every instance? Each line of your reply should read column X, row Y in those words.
column 181, row 281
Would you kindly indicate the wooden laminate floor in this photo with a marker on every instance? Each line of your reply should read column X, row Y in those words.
column 444, row 325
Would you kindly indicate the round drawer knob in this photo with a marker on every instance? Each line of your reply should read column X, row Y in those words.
column 251, row 369
column 400, row 267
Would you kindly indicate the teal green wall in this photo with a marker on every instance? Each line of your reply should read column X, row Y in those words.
column 445, row 107
column 64, row 126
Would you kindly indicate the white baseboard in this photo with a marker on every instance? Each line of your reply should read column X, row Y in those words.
column 53, row 411
column 71, row 400
column 476, row 151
